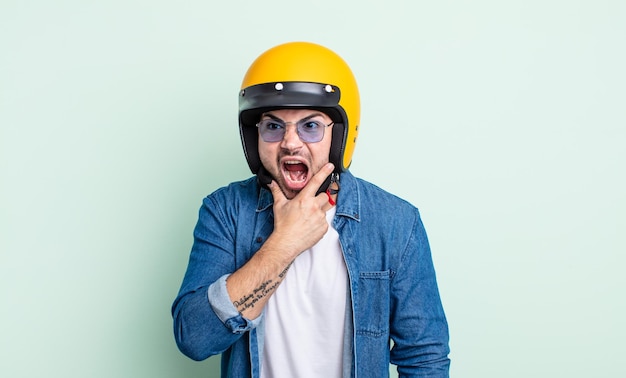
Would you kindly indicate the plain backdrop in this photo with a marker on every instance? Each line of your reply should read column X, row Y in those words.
column 503, row 121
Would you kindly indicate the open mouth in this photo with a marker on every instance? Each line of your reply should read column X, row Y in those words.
column 295, row 173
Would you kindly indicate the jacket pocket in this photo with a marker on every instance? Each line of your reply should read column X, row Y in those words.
column 372, row 314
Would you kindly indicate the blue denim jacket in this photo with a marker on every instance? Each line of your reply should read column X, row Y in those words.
column 393, row 292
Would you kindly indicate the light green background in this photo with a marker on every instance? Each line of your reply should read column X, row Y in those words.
column 504, row 121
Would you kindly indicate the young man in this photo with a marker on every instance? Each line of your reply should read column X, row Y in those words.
column 305, row 270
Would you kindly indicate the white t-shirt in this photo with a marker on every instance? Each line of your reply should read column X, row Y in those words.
column 304, row 318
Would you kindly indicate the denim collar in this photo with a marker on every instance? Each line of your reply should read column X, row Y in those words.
column 348, row 199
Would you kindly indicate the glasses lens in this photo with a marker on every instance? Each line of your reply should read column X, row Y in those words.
column 311, row 131
column 271, row 131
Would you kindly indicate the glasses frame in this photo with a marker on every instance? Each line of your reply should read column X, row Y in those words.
column 298, row 125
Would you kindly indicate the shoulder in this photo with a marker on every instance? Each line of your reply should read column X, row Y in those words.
column 373, row 196
column 379, row 210
column 236, row 189
column 235, row 195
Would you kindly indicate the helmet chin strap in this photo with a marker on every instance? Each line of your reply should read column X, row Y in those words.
column 264, row 179
column 333, row 186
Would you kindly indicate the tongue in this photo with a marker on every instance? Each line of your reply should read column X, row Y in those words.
column 297, row 172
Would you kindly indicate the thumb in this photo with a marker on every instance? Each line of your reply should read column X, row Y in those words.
column 277, row 193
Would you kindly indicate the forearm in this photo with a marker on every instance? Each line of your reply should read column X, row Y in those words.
column 250, row 287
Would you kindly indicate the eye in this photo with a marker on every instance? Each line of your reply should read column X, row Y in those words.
column 311, row 126
column 271, row 125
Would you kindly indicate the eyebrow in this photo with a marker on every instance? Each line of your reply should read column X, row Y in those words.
column 275, row 118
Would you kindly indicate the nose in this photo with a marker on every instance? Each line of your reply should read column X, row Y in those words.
column 291, row 140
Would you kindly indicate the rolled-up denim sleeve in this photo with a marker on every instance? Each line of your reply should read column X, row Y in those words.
column 226, row 311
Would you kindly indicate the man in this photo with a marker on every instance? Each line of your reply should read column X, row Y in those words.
column 305, row 270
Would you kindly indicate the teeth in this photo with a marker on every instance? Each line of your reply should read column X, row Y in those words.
column 293, row 176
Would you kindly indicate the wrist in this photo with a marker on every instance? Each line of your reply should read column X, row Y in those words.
column 279, row 250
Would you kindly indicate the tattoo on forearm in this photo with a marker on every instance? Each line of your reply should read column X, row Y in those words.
column 282, row 274
column 250, row 300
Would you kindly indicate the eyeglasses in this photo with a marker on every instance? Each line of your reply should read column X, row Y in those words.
column 310, row 131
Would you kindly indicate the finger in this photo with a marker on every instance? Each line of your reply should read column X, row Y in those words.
column 317, row 180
